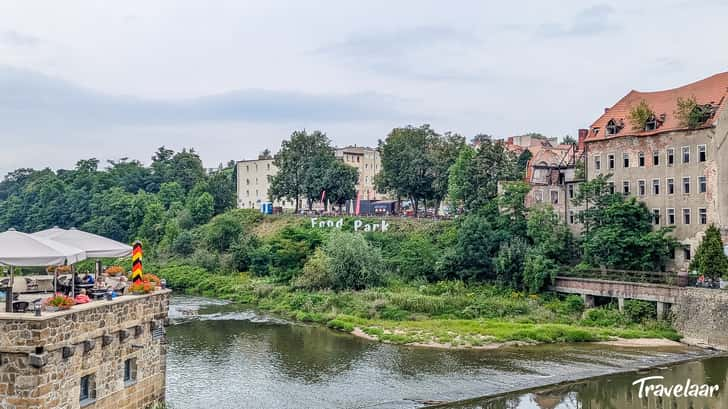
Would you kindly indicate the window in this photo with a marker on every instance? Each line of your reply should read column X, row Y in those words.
column 670, row 156
column 686, row 216
column 641, row 159
column 686, row 185
column 597, row 162
column 702, row 154
column 247, row 181
column 656, row 158
column 686, row 253
column 554, row 197
column 671, row 217
column 269, row 166
column 625, row 160
column 651, row 124
column 670, row 186
column 702, row 184
column 655, row 187
column 625, row 187
column 703, row 216
column 613, row 127
column 656, row 216
column 611, row 161
column 571, row 217
column 130, row 371
column 686, row 154
column 610, row 186
column 88, row 389
column 570, row 188
column 641, row 187
column 539, row 196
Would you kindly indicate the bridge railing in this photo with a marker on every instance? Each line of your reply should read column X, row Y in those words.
column 632, row 276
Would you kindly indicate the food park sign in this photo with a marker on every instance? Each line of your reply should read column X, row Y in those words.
column 359, row 225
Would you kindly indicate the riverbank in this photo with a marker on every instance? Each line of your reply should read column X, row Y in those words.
column 445, row 314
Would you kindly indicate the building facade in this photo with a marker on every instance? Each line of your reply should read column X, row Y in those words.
column 368, row 162
column 678, row 169
column 101, row 355
column 253, row 182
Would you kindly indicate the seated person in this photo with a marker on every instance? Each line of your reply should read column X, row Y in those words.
column 89, row 279
column 82, row 298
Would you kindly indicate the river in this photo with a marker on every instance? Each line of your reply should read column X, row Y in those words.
column 228, row 356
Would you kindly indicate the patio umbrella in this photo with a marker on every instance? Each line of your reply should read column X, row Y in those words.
column 94, row 245
column 21, row 249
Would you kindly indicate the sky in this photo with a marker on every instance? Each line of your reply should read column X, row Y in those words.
column 82, row 79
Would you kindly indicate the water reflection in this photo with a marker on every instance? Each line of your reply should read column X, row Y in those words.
column 225, row 356
column 618, row 391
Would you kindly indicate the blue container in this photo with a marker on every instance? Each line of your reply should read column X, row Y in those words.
column 266, row 208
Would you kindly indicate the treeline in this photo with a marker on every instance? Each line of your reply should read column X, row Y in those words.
column 124, row 200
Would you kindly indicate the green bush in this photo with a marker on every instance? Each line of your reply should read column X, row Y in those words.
column 206, row 259
column 242, row 251
column 416, row 258
column 538, row 270
column 184, row 244
column 289, row 250
column 639, row 311
column 353, row 262
column 603, row 317
column 316, row 273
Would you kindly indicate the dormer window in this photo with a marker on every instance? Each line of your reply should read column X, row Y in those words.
column 595, row 130
column 613, row 127
column 654, row 122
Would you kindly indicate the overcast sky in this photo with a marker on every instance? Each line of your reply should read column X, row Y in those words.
column 82, row 79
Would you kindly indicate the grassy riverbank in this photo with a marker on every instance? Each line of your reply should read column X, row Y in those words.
column 446, row 313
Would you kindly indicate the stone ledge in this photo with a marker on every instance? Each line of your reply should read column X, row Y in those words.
column 15, row 316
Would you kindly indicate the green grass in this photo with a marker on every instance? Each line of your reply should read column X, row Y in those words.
column 445, row 313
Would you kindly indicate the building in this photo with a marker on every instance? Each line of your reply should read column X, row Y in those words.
column 675, row 162
column 253, row 182
column 368, row 162
column 554, row 178
column 101, row 355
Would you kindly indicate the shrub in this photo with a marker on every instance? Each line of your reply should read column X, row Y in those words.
column 183, row 244
column 538, row 270
column 289, row 250
column 639, row 115
column 316, row 273
column 638, row 311
column 509, row 262
column 207, row 260
column 603, row 317
column 352, row 262
column 710, row 260
column 416, row 258
column 243, row 250
column 222, row 231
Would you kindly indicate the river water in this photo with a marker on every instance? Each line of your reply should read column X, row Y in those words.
column 227, row 356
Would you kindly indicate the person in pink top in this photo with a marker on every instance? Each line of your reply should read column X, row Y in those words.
column 82, row 298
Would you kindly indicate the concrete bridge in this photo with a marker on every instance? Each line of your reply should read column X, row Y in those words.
column 664, row 295
column 699, row 314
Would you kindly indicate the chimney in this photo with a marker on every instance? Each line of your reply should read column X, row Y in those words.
column 582, row 137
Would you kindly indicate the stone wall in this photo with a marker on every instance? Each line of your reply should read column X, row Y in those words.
column 701, row 316
column 42, row 359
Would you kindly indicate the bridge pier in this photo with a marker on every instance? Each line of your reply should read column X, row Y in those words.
column 620, row 303
column 588, row 300
column 662, row 308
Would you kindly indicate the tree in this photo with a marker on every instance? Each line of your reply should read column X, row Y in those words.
column 444, row 153
column 407, row 168
column 340, row 183
column 300, row 162
column 618, row 231
column 475, row 175
column 202, row 208
column 710, row 259
column 352, row 262
column 522, row 162
column 480, row 138
column 265, row 154
column 569, row 140
column 171, row 192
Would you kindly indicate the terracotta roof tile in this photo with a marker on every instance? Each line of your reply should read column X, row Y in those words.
column 713, row 90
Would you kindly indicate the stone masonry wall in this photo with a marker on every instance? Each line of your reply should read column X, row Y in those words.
column 700, row 315
column 42, row 359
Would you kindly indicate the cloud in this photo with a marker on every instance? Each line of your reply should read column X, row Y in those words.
column 30, row 100
column 16, row 39
column 414, row 53
column 587, row 22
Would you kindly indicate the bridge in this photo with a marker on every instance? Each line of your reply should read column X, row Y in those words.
column 659, row 287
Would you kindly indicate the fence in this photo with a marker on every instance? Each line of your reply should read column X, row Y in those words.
column 631, row 276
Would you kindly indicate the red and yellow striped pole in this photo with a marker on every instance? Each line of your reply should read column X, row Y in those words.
column 136, row 262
